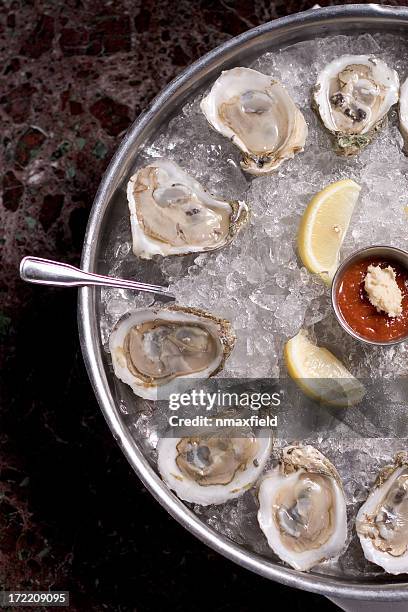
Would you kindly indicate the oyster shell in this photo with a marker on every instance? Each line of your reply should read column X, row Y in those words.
column 352, row 96
column 382, row 521
column 172, row 214
column 153, row 346
column 213, row 467
column 302, row 509
column 403, row 113
column 258, row 115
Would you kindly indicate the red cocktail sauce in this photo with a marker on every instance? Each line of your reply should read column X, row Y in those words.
column 357, row 310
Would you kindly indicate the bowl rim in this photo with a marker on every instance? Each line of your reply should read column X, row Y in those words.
column 88, row 323
column 375, row 250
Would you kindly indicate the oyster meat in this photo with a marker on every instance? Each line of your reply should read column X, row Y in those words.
column 302, row 509
column 153, row 346
column 213, row 468
column 258, row 115
column 352, row 96
column 172, row 214
column 382, row 521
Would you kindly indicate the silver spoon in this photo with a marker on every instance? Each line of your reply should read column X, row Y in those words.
column 46, row 272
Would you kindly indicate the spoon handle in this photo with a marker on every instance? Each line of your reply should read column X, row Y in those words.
column 46, row 272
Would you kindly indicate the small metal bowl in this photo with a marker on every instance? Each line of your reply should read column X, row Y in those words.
column 386, row 252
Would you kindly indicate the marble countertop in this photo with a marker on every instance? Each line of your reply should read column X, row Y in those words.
column 73, row 515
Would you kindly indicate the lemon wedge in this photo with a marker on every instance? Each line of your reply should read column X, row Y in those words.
column 319, row 374
column 324, row 225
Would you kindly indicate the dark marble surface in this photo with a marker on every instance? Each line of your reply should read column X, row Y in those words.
column 73, row 516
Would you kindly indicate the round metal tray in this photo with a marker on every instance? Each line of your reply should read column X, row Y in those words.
column 242, row 49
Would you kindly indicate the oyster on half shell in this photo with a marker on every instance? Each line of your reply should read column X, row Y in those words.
column 382, row 521
column 153, row 346
column 172, row 214
column 212, row 467
column 256, row 112
column 352, row 96
column 302, row 508
column 403, row 113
